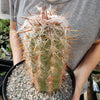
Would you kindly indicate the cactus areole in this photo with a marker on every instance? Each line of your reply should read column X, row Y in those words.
column 45, row 44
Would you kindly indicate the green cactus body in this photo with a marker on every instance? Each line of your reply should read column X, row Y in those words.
column 45, row 46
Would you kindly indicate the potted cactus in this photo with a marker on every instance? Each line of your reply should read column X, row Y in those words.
column 46, row 40
column 45, row 43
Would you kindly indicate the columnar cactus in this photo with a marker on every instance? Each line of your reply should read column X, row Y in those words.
column 45, row 43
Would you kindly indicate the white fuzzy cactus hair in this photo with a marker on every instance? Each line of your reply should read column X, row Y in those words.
column 46, row 41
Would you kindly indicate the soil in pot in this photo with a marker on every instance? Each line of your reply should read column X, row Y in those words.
column 20, row 87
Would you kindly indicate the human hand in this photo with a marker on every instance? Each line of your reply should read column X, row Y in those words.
column 78, row 86
column 76, row 95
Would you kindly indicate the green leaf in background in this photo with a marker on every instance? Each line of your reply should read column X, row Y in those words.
column 2, row 74
column 4, row 39
column 4, row 26
column 3, row 55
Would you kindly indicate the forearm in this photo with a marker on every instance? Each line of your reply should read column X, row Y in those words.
column 15, row 44
column 90, row 61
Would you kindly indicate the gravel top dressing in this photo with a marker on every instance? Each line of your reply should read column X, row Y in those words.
column 19, row 87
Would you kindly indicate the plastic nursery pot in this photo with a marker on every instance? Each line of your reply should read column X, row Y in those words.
column 10, row 72
column 5, row 65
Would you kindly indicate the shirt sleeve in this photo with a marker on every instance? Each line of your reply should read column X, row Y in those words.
column 7, row 9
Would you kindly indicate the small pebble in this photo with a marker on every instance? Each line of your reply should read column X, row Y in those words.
column 19, row 87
